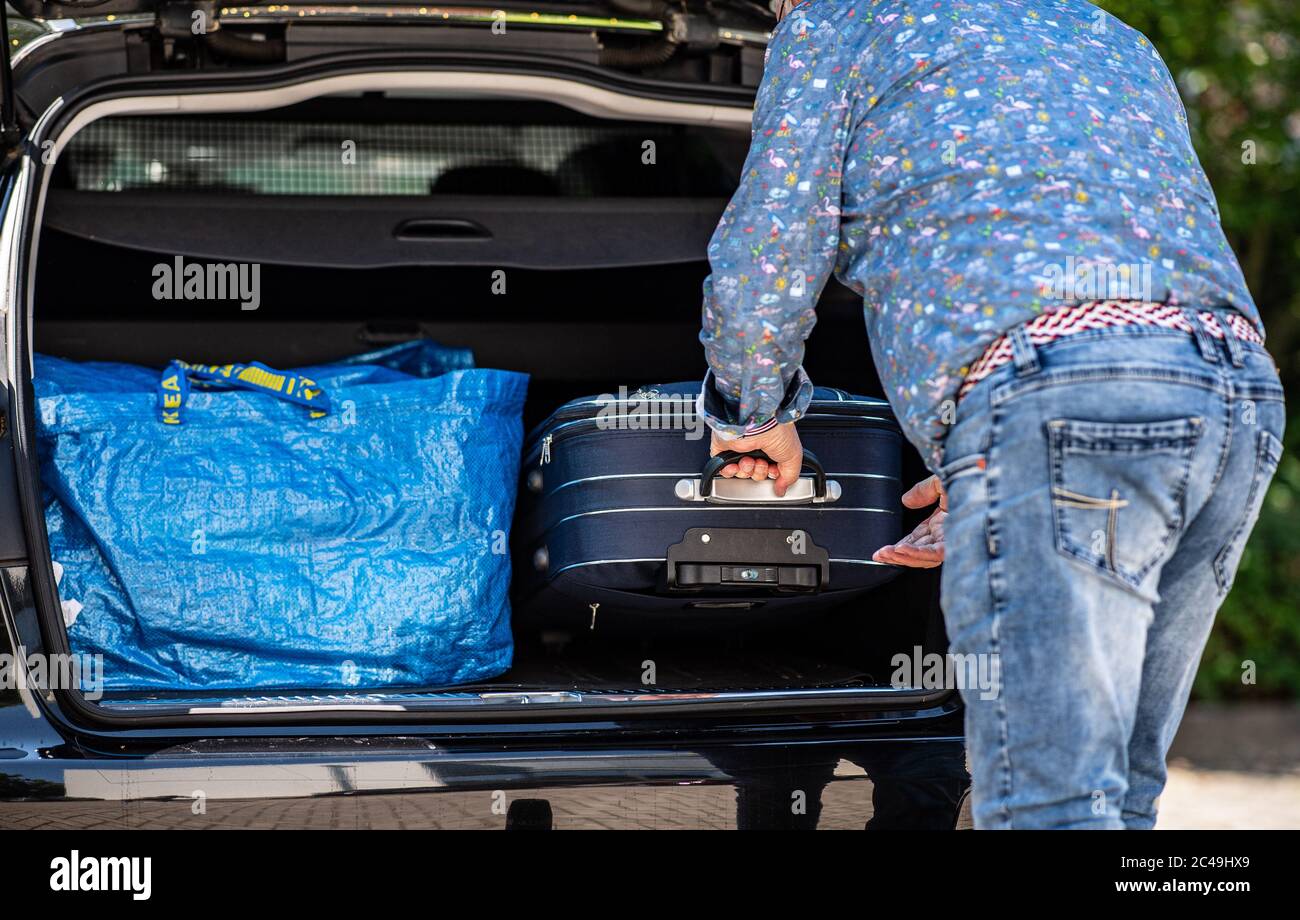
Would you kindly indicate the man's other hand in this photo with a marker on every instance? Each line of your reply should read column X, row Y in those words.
column 923, row 547
column 781, row 444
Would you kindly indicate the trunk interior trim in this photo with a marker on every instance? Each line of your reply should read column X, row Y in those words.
column 511, row 701
column 506, row 700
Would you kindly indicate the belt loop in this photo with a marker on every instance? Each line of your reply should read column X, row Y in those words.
column 1023, row 352
column 1230, row 340
column 1204, row 340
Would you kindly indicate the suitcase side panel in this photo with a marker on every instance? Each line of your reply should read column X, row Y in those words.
column 603, row 512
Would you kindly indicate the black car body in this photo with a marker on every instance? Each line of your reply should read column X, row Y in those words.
column 784, row 730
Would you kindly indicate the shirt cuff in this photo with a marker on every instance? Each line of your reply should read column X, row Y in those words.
column 721, row 413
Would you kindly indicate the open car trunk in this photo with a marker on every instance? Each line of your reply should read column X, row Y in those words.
column 602, row 256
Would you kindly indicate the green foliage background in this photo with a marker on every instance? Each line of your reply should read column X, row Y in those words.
column 1237, row 63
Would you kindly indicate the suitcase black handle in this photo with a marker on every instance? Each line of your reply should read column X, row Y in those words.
column 715, row 465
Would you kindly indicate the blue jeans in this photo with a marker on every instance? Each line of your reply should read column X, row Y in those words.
column 1101, row 490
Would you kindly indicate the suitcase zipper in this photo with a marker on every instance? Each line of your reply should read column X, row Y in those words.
column 837, row 416
column 583, row 411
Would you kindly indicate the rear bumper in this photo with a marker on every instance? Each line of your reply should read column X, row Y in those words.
column 409, row 783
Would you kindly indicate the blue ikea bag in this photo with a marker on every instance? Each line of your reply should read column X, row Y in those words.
column 354, row 536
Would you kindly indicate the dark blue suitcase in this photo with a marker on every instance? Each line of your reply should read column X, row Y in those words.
column 621, row 522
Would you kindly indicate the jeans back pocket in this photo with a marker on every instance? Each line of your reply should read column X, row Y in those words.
column 1117, row 491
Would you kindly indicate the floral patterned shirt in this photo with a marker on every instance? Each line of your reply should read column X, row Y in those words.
column 964, row 165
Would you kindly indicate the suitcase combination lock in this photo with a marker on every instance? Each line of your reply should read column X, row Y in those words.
column 747, row 558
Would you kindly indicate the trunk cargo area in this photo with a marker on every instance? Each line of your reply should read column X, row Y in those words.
column 576, row 330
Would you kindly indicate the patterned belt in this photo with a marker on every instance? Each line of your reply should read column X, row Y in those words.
column 1103, row 314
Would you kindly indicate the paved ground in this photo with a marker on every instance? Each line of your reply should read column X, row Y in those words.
column 1235, row 768
column 581, row 808
column 1195, row 799
column 1226, row 800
